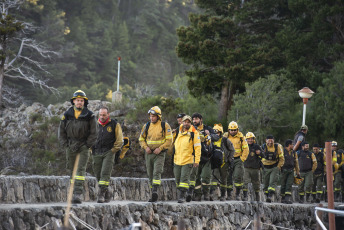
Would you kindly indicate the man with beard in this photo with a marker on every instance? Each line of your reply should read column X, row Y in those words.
column 291, row 162
column 318, row 176
column 78, row 133
column 252, row 166
column 203, row 172
column 308, row 164
column 187, row 156
column 273, row 162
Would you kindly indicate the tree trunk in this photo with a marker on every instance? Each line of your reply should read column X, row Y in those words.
column 1, row 84
column 224, row 102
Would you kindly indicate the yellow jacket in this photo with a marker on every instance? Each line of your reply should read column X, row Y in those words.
column 315, row 163
column 240, row 145
column 155, row 138
column 184, row 147
column 280, row 156
column 337, row 165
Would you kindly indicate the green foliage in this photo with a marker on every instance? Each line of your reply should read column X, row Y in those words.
column 326, row 107
column 266, row 107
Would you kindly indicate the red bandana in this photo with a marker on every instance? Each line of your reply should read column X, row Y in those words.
column 103, row 124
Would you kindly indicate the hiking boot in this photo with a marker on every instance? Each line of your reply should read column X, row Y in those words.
column 283, row 199
column 308, row 198
column 237, row 194
column 181, row 195
column 302, row 198
column 108, row 195
column 257, row 196
column 197, row 197
column 155, row 195
column 245, row 196
column 101, row 195
column 212, row 194
column 270, row 196
column 288, row 199
column 206, row 195
column 317, row 198
column 229, row 194
column 223, row 194
column 76, row 199
column 190, row 194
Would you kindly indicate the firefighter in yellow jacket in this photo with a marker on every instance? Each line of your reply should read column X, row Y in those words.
column 273, row 162
column 240, row 155
column 155, row 139
column 337, row 171
column 187, row 156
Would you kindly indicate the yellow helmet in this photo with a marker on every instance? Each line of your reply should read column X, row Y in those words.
column 334, row 143
column 233, row 125
column 218, row 127
column 79, row 94
column 155, row 111
column 298, row 180
column 250, row 135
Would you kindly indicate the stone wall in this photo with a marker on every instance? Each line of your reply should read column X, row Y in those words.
column 161, row 215
column 43, row 189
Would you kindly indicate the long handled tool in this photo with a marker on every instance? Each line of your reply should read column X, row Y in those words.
column 70, row 192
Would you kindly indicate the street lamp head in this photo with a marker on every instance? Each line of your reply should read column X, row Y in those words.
column 306, row 93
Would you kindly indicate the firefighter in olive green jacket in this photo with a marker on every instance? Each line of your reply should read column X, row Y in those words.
column 273, row 162
column 78, row 133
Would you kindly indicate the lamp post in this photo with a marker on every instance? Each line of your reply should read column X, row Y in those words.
column 305, row 93
column 117, row 95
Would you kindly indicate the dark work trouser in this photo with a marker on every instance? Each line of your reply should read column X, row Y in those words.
column 81, row 171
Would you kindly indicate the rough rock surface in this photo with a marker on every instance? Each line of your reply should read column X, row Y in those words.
column 161, row 215
column 43, row 189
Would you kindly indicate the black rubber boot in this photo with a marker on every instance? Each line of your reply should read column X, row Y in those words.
column 197, row 196
column 270, row 196
column 212, row 194
column 101, row 194
column 283, row 199
column 206, row 195
column 288, row 199
column 257, row 197
column 317, row 198
column 302, row 199
column 229, row 194
column 245, row 196
column 181, row 195
column 155, row 195
column 223, row 194
column 308, row 198
column 237, row 193
column 314, row 197
column 190, row 193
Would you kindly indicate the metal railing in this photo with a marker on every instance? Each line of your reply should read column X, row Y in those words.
column 338, row 212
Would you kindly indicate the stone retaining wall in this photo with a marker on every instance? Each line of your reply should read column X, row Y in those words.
column 161, row 215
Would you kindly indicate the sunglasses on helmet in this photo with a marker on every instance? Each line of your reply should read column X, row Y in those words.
column 152, row 112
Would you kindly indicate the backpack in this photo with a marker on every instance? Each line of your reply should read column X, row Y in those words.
column 217, row 159
column 147, row 127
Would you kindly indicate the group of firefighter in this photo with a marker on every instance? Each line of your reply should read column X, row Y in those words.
column 204, row 157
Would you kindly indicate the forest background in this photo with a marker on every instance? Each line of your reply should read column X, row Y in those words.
column 229, row 60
